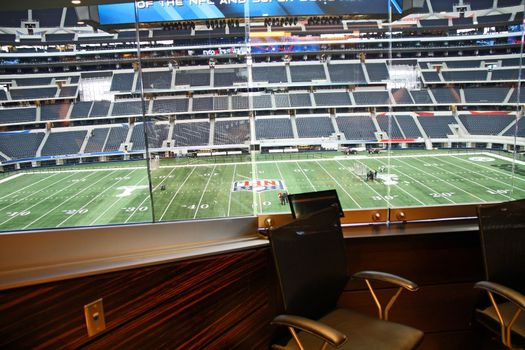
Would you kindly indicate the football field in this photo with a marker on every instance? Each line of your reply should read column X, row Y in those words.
column 118, row 193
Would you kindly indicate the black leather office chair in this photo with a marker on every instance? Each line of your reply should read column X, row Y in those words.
column 310, row 257
column 502, row 228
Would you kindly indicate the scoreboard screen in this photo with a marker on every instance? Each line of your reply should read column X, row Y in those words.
column 185, row 10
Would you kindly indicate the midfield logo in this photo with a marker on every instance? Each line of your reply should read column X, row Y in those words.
column 257, row 185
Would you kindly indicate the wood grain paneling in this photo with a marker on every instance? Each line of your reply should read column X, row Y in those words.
column 186, row 305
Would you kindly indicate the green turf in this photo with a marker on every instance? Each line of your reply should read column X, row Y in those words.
column 118, row 193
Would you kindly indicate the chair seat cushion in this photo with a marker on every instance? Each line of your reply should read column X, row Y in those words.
column 363, row 332
column 489, row 318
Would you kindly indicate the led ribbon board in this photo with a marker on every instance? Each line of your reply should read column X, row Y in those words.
column 185, row 10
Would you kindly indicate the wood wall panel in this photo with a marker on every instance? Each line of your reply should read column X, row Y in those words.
column 227, row 301
column 188, row 304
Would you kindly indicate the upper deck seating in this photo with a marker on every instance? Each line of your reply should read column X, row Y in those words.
column 340, row 98
column 54, row 111
column 350, row 73
column 17, row 115
column 271, row 74
column 193, row 77
column 306, row 73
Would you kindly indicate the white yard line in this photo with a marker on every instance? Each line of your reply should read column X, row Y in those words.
column 11, row 177
column 67, row 200
column 85, row 170
column 176, row 193
column 281, row 175
column 231, row 190
column 399, row 187
column 94, row 198
column 474, row 182
column 33, row 193
column 203, row 192
column 338, row 184
column 441, row 180
column 504, row 158
column 366, row 183
column 487, row 167
column 113, row 204
column 147, row 197
column 307, row 178
column 23, row 188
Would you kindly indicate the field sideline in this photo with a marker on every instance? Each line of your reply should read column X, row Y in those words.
column 119, row 193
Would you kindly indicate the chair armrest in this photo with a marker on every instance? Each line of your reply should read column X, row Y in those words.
column 506, row 292
column 321, row 330
column 387, row 277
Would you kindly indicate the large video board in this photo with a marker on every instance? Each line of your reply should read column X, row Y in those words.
column 187, row 10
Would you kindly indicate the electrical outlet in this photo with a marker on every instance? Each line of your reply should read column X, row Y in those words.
column 95, row 320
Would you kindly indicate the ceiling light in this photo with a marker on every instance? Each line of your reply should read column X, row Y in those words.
column 76, row 2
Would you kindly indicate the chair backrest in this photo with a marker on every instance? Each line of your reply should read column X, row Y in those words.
column 502, row 228
column 310, row 258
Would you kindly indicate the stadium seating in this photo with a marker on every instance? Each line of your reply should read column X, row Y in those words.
column 17, row 115
column 466, row 75
column 63, row 143
column 240, row 102
column 274, row 128
column 421, row 97
column 220, row 103
column 357, row 127
column 346, row 73
column 230, row 76
column 33, row 93
column 127, row 108
column 505, row 74
column 96, row 140
column 371, row 98
column 300, row 100
column 519, row 131
column 157, row 133
column 203, row 104
column 231, row 132
column 137, row 137
column 170, row 105
column 486, row 124
column 270, row 74
column 389, row 125
column 377, row 72
column 307, row 73
column 81, row 109
column 437, row 126
column 100, row 109
column 262, row 101
column 492, row 94
column 332, row 99
column 117, row 136
column 402, row 96
column 283, row 100
column 19, row 145
column 447, row 95
column 122, row 82
column 408, row 125
column 191, row 134
column 158, row 80
column 314, row 126
column 193, row 77
column 54, row 111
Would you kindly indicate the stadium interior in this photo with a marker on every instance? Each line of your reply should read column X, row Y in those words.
column 141, row 157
